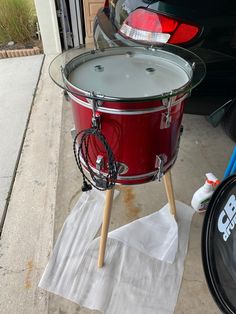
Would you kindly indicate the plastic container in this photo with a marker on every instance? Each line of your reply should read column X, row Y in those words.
column 203, row 195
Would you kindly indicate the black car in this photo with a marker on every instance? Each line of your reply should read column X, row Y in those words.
column 206, row 27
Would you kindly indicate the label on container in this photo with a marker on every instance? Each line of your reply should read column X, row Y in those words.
column 204, row 204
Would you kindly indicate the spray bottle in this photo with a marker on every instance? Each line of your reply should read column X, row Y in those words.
column 203, row 195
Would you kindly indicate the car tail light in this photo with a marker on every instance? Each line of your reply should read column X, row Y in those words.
column 144, row 25
column 106, row 4
column 106, row 7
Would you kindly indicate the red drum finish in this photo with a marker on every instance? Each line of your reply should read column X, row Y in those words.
column 136, row 139
column 139, row 96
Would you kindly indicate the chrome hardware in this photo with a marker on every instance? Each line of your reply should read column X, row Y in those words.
column 96, row 116
column 151, row 48
column 96, row 120
column 99, row 163
column 159, row 164
column 122, row 168
column 125, row 112
column 166, row 117
column 89, row 103
column 99, row 103
column 152, row 175
column 167, row 120
column 94, row 103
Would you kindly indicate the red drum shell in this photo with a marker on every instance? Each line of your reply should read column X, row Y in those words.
column 135, row 139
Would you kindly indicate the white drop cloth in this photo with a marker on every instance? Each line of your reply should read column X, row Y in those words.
column 155, row 235
column 132, row 280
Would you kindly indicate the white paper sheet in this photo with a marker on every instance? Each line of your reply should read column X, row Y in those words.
column 131, row 281
column 155, row 235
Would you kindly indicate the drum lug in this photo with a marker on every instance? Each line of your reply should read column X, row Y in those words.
column 99, row 163
column 159, row 164
column 165, row 120
column 168, row 120
column 96, row 118
column 166, row 116
column 122, row 168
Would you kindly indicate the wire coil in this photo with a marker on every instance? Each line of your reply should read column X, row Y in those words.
column 99, row 180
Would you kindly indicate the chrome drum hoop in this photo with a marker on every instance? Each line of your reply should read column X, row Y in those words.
column 135, row 177
column 174, row 102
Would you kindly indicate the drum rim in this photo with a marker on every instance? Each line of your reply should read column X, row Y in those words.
column 108, row 110
column 140, row 177
column 80, row 92
column 206, row 256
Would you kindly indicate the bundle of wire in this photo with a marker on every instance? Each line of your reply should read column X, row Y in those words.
column 101, row 181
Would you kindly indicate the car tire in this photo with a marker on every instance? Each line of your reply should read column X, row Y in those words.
column 229, row 121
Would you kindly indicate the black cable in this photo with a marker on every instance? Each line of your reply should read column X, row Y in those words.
column 149, row 2
column 100, row 181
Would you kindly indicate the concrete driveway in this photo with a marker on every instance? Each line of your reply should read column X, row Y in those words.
column 18, row 81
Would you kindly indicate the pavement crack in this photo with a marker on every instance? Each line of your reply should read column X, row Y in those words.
column 193, row 280
column 11, row 271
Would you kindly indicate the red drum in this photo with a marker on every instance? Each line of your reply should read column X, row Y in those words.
column 138, row 95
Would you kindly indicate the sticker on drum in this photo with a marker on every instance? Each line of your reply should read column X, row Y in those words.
column 219, row 245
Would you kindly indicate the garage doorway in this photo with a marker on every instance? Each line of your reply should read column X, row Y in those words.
column 71, row 23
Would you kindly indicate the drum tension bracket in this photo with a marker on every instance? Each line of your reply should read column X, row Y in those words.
column 167, row 103
column 96, row 118
column 159, row 165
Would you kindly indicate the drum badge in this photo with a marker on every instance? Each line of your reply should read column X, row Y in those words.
column 227, row 218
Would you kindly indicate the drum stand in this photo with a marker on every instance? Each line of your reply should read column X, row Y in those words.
column 107, row 214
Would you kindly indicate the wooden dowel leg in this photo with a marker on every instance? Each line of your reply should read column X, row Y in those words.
column 105, row 226
column 170, row 192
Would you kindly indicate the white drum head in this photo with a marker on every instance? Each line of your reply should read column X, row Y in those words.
column 129, row 73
